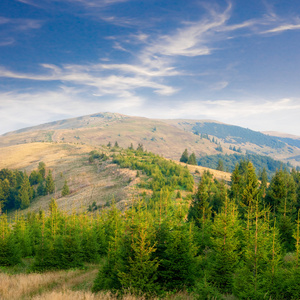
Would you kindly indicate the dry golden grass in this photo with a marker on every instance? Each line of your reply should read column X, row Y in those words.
column 88, row 183
column 82, row 295
column 63, row 285
column 27, row 156
column 220, row 175
column 21, row 285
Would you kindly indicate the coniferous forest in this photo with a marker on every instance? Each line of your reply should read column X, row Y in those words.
column 239, row 240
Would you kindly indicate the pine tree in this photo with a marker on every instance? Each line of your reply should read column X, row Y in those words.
column 141, row 271
column 42, row 169
column 50, row 186
column 185, row 156
column 25, row 193
column 192, row 159
column 41, row 189
column 225, row 244
column 250, row 187
column 220, row 166
column 140, row 148
column 65, row 190
column 264, row 184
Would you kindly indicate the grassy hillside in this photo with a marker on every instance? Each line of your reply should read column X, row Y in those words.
column 165, row 137
column 88, row 183
column 100, row 129
column 99, row 182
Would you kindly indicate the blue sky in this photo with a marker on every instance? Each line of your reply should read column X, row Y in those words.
column 237, row 62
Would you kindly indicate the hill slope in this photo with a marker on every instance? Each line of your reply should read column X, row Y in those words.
column 165, row 137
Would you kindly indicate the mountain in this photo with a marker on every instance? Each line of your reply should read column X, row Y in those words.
column 165, row 137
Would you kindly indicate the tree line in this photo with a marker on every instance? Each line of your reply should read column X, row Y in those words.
column 17, row 189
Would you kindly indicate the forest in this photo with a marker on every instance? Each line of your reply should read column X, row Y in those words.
column 229, row 162
column 238, row 134
column 214, row 241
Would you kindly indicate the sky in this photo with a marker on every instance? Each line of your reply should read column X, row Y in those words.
column 236, row 62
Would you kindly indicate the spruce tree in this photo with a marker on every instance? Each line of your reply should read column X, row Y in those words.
column 65, row 190
column 41, row 189
column 192, row 159
column 50, row 186
column 25, row 193
column 220, row 166
column 225, row 245
column 185, row 156
column 42, row 169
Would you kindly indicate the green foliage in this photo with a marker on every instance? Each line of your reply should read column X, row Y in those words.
column 225, row 243
column 9, row 253
column 50, row 186
column 184, row 157
column 65, row 190
column 163, row 173
column 232, row 243
column 241, row 135
column 229, row 162
column 220, row 166
column 97, row 155
column 192, row 159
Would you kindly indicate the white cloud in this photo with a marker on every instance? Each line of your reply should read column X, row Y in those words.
column 283, row 28
column 125, row 78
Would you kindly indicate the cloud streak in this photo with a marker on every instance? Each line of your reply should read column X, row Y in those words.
column 15, row 27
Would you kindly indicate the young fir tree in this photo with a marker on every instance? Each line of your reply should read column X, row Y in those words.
column 41, row 189
column 200, row 209
column 50, row 186
column 22, row 236
column 9, row 252
column 249, row 188
column 220, row 166
column 225, row 245
column 42, row 169
column 263, row 184
column 65, row 190
column 184, row 157
column 261, row 255
column 192, row 159
column 140, row 272
column 25, row 193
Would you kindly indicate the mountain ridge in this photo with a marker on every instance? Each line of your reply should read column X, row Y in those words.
column 167, row 137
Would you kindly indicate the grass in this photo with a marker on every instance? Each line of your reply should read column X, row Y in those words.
column 16, row 284
column 88, row 183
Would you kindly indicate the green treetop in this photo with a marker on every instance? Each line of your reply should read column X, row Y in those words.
column 185, row 156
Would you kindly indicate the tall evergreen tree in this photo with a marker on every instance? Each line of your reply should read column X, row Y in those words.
column 220, row 166
column 65, row 190
column 25, row 193
column 185, row 156
column 225, row 242
column 50, row 186
column 42, row 169
column 192, row 159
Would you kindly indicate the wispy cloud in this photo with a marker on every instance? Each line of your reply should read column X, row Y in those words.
column 89, row 4
column 15, row 27
column 96, row 77
column 283, row 28
column 191, row 39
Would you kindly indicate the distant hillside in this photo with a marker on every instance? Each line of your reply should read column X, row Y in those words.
column 237, row 135
column 102, row 128
column 168, row 138
column 229, row 161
